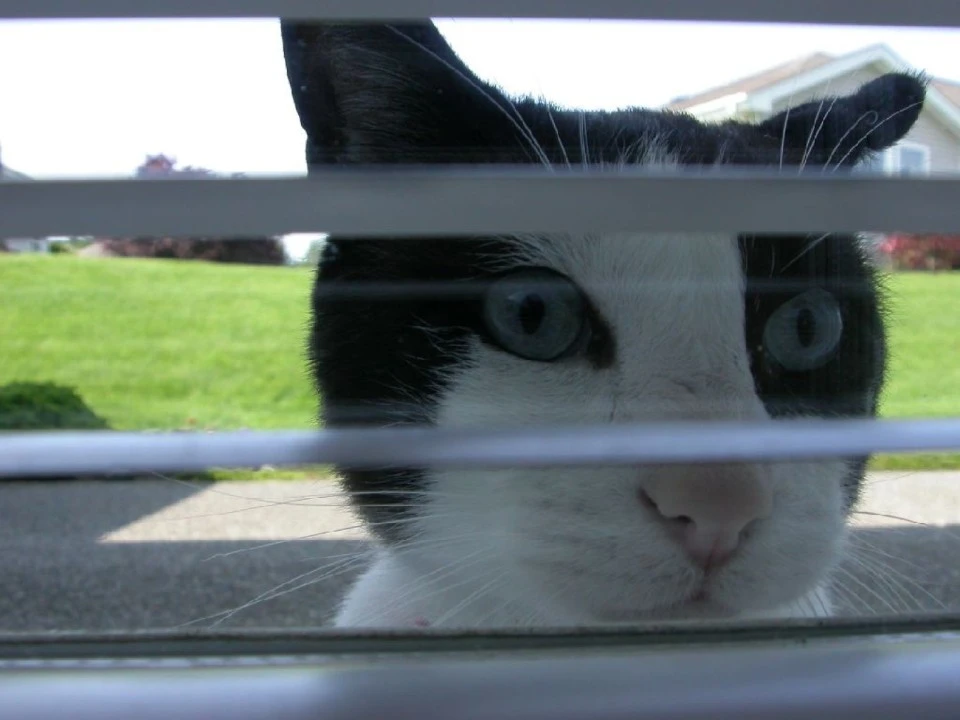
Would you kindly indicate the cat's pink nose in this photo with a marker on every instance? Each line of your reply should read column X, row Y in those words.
column 707, row 509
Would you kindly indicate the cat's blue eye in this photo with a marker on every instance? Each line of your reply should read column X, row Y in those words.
column 536, row 315
column 804, row 333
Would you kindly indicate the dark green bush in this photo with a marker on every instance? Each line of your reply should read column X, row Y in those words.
column 60, row 248
column 45, row 406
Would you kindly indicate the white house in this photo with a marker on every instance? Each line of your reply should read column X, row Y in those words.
column 933, row 145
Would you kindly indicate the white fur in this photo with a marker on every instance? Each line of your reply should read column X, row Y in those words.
column 572, row 547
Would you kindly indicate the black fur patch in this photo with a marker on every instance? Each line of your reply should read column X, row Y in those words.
column 778, row 269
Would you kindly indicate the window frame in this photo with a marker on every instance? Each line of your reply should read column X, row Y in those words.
column 770, row 672
column 881, row 672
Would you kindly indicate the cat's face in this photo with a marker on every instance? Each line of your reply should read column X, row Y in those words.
column 579, row 329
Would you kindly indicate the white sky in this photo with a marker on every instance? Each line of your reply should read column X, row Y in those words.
column 92, row 98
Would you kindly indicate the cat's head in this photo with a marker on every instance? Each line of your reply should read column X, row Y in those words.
column 585, row 329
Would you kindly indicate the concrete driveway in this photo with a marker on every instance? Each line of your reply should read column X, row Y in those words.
column 158, row 554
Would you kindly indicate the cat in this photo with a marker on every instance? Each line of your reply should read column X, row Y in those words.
column 527, row 329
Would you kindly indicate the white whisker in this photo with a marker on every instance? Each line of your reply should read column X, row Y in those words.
column 865, row 135
column 888, row 568
column 869, row 590
column 274, row 543
column 806, row 250
column 896, row 589
column 815, row 131
column 556, row 132
column 469, row 600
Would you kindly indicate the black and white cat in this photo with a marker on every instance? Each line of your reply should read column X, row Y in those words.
column 572, row 328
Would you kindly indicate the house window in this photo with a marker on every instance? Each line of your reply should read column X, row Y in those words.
column 910, row 159
column 903, row 159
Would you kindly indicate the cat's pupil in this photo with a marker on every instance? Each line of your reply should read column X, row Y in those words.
column 532, row 312
column 806, row 327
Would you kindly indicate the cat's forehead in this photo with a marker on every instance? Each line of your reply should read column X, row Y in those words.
column 620, row 270
column 643, row 283
column 664, row 259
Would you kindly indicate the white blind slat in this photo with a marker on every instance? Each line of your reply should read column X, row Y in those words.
column 65, row 453
column 460, row 201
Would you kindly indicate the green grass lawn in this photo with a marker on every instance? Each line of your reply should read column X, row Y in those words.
column 157, row 344
column 924, row 372
column 162, row 344
column 154, row 344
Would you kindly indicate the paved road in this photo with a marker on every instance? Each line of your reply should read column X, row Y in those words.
column 157, row 554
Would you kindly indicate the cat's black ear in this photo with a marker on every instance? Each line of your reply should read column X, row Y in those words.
column 840, row 131
column 390, row 93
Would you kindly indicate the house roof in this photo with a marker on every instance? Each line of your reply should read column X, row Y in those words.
column 944, row 95
column 10, row 174
column 7, row 173
column 755, row 82
column 949, row 89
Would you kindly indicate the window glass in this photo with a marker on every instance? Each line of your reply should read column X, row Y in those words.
column 913, row 159
column 473, row 332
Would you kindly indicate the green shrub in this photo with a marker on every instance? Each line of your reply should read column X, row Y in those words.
column 45, row 406
column 60, row 248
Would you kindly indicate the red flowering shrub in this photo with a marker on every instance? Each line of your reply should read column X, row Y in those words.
column 922, row 252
